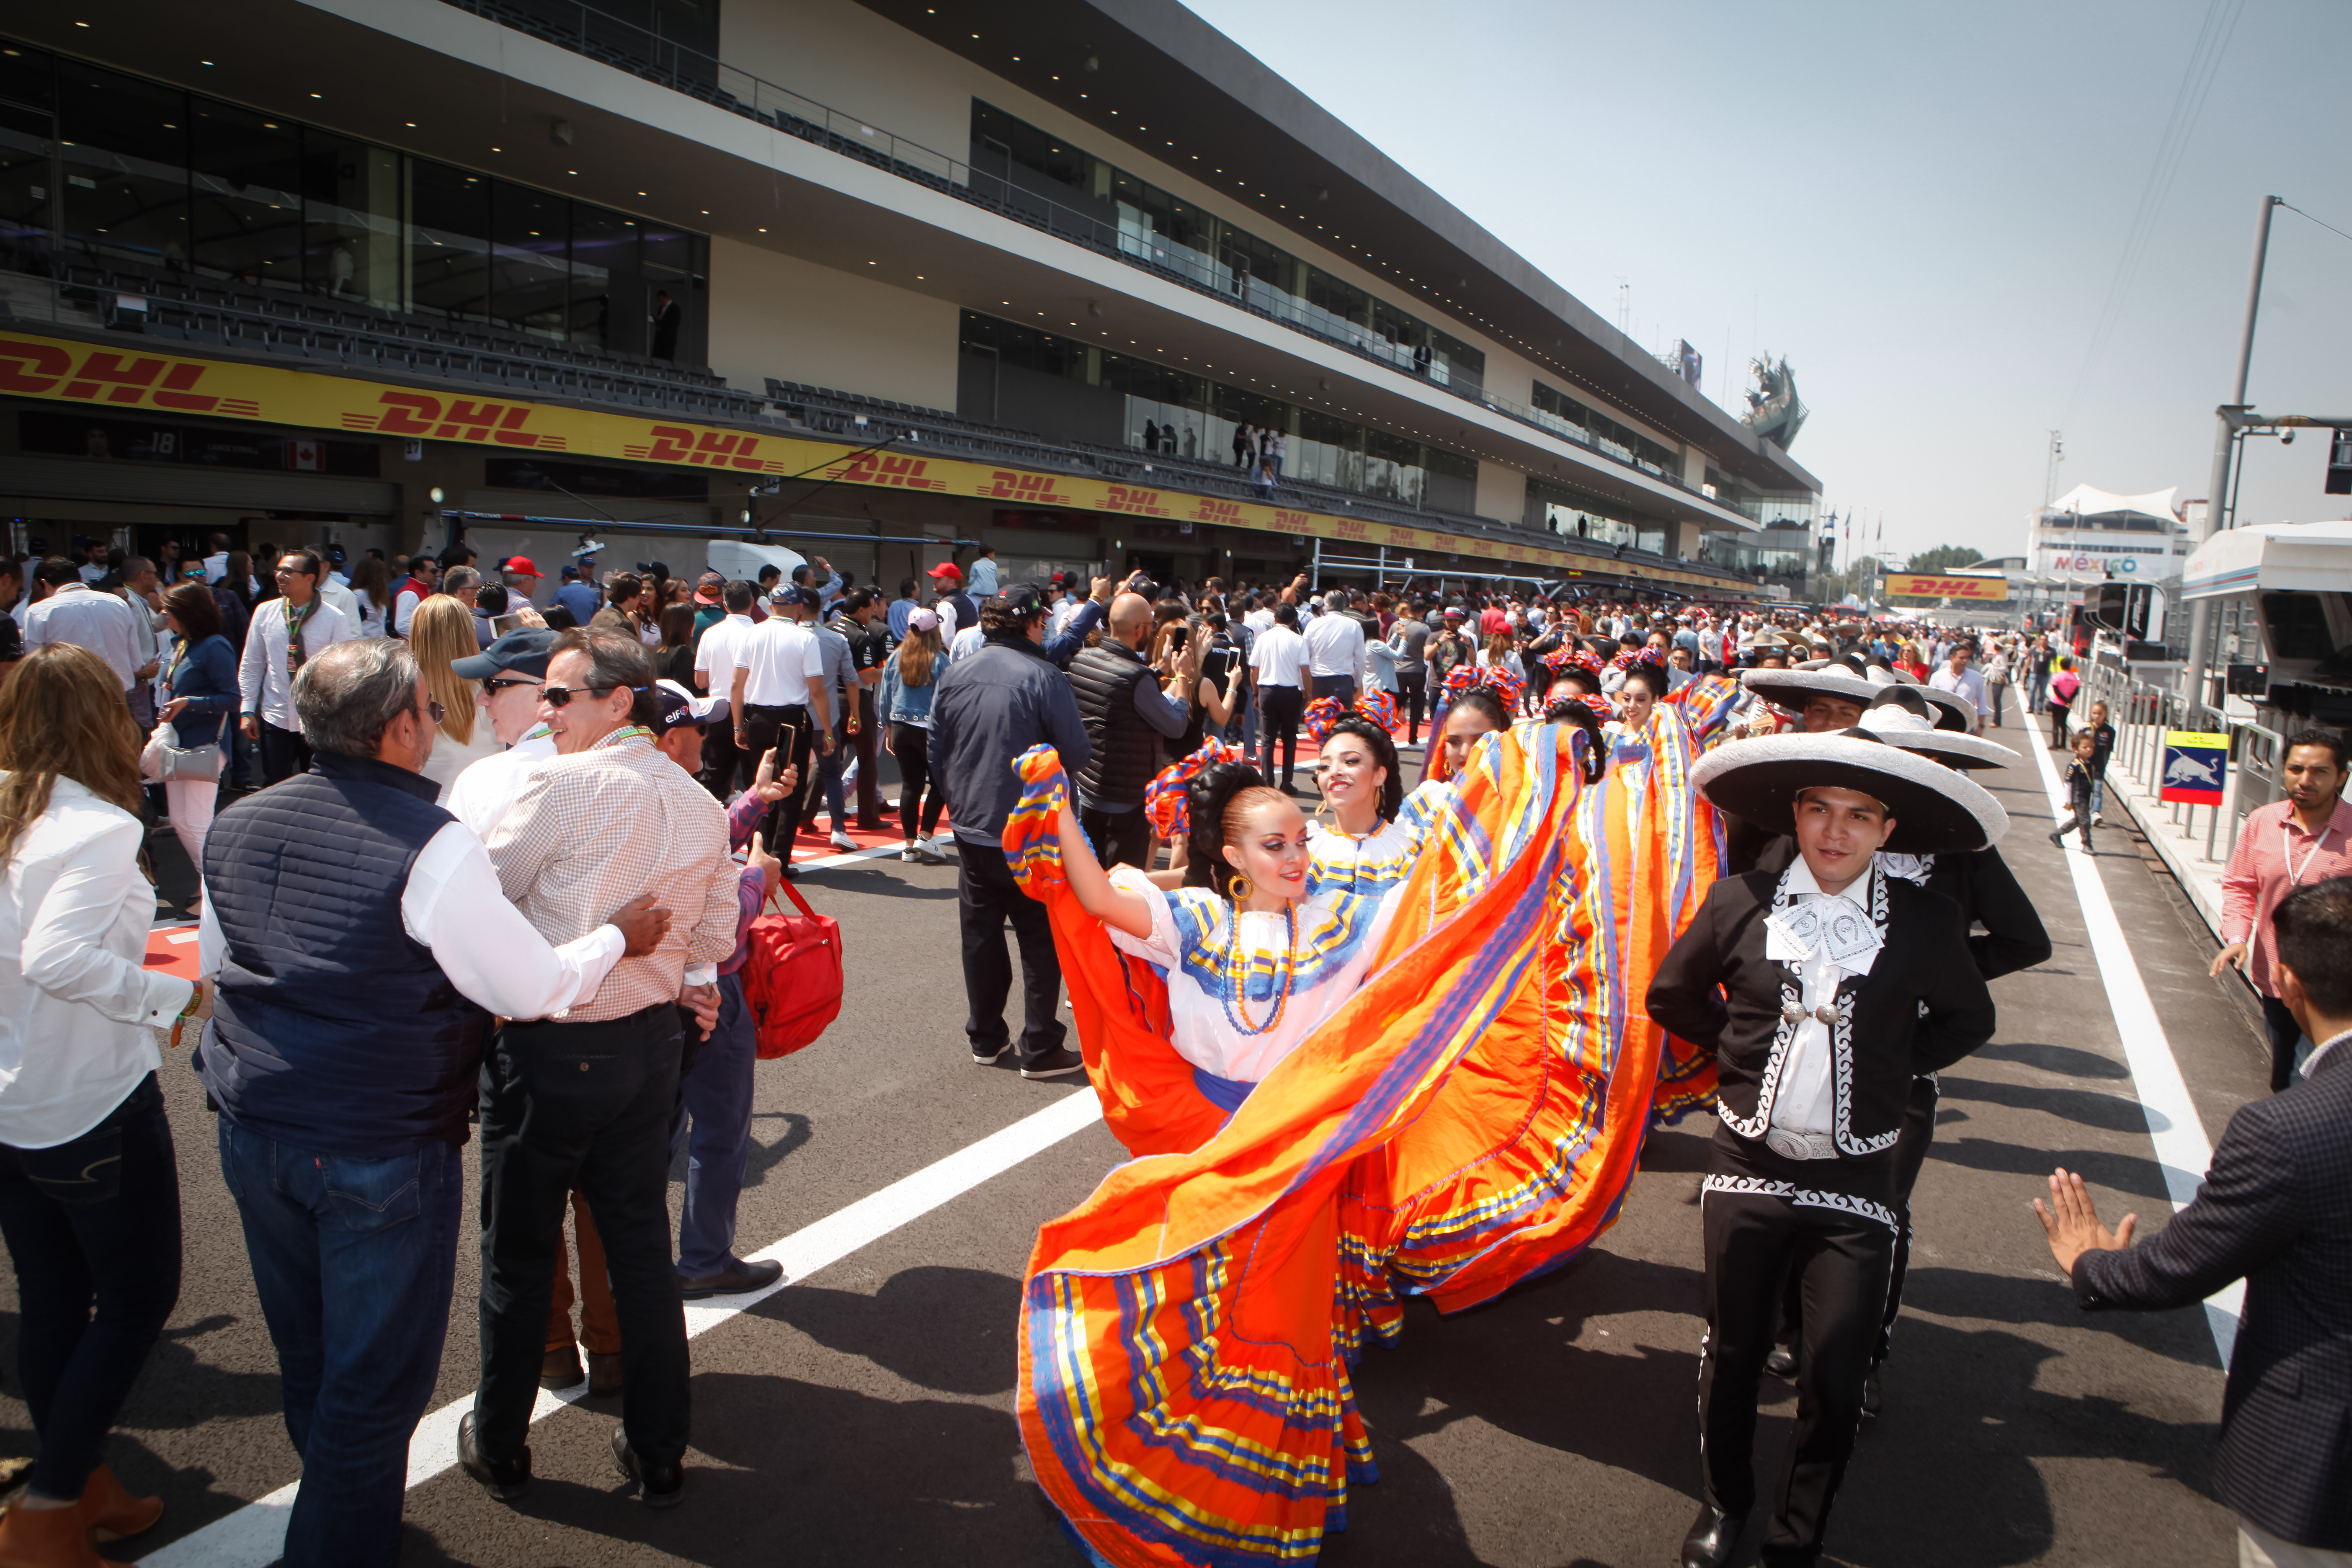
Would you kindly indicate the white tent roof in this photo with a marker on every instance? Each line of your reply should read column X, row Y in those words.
column 2092, row 502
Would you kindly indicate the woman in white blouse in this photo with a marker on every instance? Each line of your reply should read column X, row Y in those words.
column 90, row 1195
column 441, row 632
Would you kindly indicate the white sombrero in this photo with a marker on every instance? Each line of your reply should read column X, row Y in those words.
column 1791, row 689
column 1937, row 810
column 1903, row 717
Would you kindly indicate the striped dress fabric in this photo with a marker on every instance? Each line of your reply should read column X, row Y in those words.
column 1187, row 1332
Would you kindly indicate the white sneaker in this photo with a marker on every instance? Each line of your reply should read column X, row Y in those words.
column 843, row 841
column 2097, row 821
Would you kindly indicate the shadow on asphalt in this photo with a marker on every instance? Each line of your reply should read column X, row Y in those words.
column 2085, row 1107
column 1969, row 1293
column 880, row 884
column 2067, row 1061
column 2117, row 1173
column 952, row 1330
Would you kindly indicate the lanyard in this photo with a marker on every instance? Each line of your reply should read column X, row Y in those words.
column 2294, row 873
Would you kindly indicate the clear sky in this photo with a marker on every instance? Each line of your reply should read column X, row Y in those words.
column 1922, row 207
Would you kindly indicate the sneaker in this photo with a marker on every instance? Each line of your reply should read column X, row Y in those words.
column 2058, row 840
column 986, row 1057
column 924, row 855
column 1060, row 1064
column 907, row 855
column 843, row 842
column 2097, row 821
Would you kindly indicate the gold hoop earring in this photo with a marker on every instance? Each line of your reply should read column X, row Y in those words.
column 1242, row 889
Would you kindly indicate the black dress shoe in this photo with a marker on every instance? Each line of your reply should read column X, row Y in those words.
column 1870, row 1401
column 659, row 1485
column 1782, row 1362
column 1712, row 1537
column 735, row 1279
column 505, row 1481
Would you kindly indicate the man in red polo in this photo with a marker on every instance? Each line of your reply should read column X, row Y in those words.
column 2288, row 843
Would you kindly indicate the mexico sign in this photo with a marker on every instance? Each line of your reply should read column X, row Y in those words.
column 1922, row 586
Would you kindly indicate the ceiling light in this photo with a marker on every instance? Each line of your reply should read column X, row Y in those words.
column 199, row 62
column 318, row 95
column 412, row 124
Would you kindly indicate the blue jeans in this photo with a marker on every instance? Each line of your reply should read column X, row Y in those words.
column 717, row 1096
column 829, row 770
column 354, row 1260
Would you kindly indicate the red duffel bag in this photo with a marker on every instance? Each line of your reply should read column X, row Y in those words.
column 791, row 981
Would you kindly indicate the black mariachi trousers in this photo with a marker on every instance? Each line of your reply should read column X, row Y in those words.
column 1910, row 1154
column 1763, row 1223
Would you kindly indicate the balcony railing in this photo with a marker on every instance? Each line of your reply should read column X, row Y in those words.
column 644, row 52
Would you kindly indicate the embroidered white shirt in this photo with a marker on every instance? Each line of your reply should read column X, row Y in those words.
column 1839, row 940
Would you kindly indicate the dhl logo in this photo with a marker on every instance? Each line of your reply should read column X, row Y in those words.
column 46, row 369
column 1404, row 538
column 1913, row 585
column 1297, row 521
column 1225, row 511
column 452, row 419
column 1147, row 502
column 1038, row 488
column 1350, row 528
column 711, row 449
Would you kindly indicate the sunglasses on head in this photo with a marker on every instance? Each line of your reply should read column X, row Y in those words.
column 561, row 695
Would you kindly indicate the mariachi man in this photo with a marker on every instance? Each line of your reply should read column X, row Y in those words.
column 1825, row 990
column 1980, row 882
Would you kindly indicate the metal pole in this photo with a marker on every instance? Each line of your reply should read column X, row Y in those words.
column 1315, row 576
column 2200, row 619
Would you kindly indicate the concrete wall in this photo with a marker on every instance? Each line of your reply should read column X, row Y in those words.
column 1502, row 492
column 778, row 315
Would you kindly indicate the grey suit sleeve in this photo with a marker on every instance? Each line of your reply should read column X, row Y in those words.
column 1160, row 711
column 1065, row 729
column 2248, row 1212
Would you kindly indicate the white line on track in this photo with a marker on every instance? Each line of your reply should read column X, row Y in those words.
column 2182, row 1150
column 255, row 1534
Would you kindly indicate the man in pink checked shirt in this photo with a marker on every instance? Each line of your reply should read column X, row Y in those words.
column 715, row 1093
column 2290, row 843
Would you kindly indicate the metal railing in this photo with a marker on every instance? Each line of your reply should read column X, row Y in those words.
column 607, row 39
column 2142, row 712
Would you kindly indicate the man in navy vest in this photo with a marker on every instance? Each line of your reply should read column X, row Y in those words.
column 360, row 942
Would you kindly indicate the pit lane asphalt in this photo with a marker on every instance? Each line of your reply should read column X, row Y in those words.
column 864, row 1415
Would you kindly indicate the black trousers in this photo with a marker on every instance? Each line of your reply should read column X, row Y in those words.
column 93, row 1228
column 986, row 896
column 765, row 727
column 720, row 759
column 1910, row 1156
column 1411, row 690
column 1279, row 709
column 2057, row 711
column 284, row 754
column 1843, row 1259
column 1119, row 837
column 911, row 746
column 583, row 1106
column 2286, row 1034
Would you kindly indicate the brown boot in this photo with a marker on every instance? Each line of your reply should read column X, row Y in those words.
column 47, row 1538
column 113, row 1514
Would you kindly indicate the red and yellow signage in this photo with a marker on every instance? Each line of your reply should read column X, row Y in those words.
column 64, row 371
column 1921, row 586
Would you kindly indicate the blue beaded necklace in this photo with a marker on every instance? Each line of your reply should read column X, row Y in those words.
column 1236, row 974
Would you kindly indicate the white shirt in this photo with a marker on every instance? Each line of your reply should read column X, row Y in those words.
column 340, row 594
column 1335, row 643
column 969, row 641
column 80, row 615
column 785, row 660
column 405, row 607
column 451, row 757
column 261, row 678
column 92, row 572
column 716, row 656
column 77, row 1009
column 1259, row 620
column 487, row 789
column 1806, row 1097
column 216, row 567
column 1969, row 683
column 1278, row 655
column 453, row 904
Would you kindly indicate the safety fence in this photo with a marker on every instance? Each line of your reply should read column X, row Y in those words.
column 2143, row 713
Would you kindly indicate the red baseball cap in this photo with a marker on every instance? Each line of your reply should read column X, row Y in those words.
column 520, row 566
column 947, row 569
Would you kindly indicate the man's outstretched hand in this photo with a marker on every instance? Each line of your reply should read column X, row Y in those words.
column 642, row 923
column 702, row 1001
column 2072, row 1221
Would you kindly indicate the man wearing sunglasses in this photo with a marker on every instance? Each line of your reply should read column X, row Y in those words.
column 584, row 1100
column 285, row 634
column 512, row 672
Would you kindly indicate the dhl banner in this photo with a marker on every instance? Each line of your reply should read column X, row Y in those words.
column 1920, row 585
column 64, row 371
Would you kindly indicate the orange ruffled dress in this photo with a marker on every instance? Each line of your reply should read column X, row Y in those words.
column 1470, row 1118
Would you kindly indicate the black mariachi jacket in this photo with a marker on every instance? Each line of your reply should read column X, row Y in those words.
column 1980, row 882
column 1922, row 1007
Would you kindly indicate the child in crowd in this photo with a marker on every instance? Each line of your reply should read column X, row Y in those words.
column 2082, row 779
column 2103, row 735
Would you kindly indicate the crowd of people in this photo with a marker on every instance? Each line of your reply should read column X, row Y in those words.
column 1738, row 853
